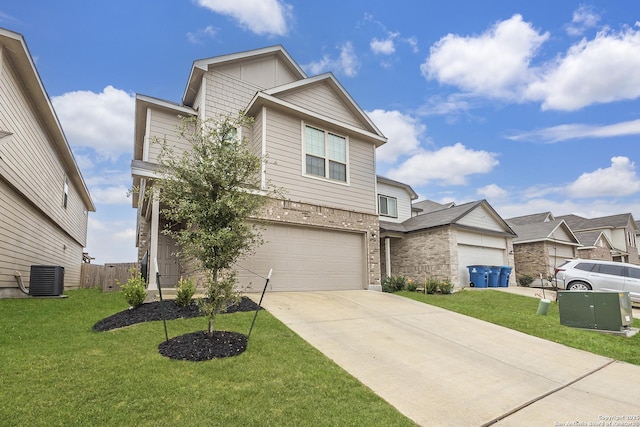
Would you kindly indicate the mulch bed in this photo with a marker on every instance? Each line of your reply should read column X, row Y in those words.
column 196, row 346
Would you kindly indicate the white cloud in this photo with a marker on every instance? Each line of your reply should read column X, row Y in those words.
column 618, row 180
column 584, row 18
column 101, row 121
column 347, row 63
column 413, row 43
column 197, row 36
column 126, row 234
column 447, row 166
column 576, row 130
column 602, row 70
column 383, row 47
column 452, row 104
column 115, row 195
column 492, row 191
column 403, row 134
column 268, row 17
column 497, row 64
column 494, row 64
column 112, row 239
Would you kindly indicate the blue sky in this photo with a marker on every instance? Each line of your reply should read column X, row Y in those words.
column 533, row 106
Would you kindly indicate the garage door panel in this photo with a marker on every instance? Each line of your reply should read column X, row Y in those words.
column 477, row 255
column 304, row 258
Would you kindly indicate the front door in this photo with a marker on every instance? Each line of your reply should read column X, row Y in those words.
column 168, row 261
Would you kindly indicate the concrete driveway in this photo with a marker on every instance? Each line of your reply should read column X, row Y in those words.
column 440, row 368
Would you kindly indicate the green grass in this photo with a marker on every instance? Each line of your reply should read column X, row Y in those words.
column 54, row 371
column 519, row 313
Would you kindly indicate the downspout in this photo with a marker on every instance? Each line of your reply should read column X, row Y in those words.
column 18, row 277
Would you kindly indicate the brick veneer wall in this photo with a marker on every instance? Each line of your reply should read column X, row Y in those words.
column 595, row 253
column 531, row 259
column 144, row 237
column 425, row 254
column 286, row 211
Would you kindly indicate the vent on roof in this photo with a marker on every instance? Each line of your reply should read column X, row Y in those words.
column 46, row 280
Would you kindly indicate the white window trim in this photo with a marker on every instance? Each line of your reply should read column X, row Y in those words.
column 65, row 195
column 304, row 156
column 387, row 197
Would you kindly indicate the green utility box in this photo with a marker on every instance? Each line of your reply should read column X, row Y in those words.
column 606, row 311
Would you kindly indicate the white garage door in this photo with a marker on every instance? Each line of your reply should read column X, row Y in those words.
column 305, row 259
column 477, row 255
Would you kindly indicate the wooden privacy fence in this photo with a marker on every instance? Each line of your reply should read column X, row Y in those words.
column 105, row 276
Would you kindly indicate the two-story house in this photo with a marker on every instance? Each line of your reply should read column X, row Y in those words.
column 44, row 202
column 427, row 240
column 322, row 235
column 621, row 231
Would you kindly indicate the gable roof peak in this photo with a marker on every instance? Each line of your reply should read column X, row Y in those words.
column 200, row 66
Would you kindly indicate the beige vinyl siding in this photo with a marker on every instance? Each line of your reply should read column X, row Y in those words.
column 561, row 234
column 285, row 168
column 164, row 125
column 403, row 202
column 478, row 239
column 480, row 217
column 256, row 135
column 321, row 99
column 30, row 238
column 261, row 72
column 227, row 94
column 28, row 151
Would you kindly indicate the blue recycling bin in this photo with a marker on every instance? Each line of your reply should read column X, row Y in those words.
column 505, row 272
column 494, row 276
column 478, row 276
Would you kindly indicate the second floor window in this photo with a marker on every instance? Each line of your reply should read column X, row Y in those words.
column 388, row 206
column 325, row 154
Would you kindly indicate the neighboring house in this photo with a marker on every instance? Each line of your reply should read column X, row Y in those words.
column 543, row 243
column 321, row 151
column 594, row 245
column 441, row 243
column 621, row 231
column 44, row 202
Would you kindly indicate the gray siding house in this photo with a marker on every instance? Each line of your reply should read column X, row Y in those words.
column 323, row 234
column 44, row 202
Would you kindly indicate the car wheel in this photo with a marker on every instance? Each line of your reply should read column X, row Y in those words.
column 579, row 286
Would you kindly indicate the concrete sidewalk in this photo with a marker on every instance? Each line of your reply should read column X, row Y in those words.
column 440, row 368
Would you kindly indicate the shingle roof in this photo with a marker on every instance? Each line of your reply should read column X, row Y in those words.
column 589, row 238
column 448, row 216
column 533, row 231
column 613, row 221
column 531, row 219
column 431, row 206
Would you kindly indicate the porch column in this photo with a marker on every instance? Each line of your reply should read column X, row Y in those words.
column 387, row 256
column 153, row 244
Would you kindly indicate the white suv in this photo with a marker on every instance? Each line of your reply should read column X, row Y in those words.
column 587, row 274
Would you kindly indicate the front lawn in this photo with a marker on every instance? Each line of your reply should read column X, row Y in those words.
column 55, row 370
column 519, row 313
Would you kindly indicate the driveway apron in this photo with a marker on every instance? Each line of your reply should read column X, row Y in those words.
column 442, row 368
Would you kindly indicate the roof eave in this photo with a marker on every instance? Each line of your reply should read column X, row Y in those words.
column 263, row 99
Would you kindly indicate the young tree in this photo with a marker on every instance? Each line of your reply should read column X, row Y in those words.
column 210, row 191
